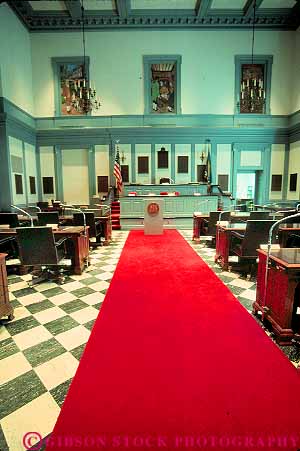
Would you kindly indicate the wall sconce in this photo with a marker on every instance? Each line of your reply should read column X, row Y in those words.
column 202, row 156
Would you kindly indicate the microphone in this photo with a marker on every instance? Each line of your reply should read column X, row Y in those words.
column 25, row 212
column 71, row 207
column 280, row 221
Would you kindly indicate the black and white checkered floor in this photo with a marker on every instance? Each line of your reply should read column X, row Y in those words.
column 41, row 348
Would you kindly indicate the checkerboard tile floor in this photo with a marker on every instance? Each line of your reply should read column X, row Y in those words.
column 41, row 348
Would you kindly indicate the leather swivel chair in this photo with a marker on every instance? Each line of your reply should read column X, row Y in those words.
column 95, row 227
column 209, row 227
column 38, row 248
column 244, row 245
column 43, row 205
column 45, row 218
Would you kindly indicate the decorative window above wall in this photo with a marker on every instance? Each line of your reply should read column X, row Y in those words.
column 253, row 84
column 162, row 84
column 162, row 158
column 68, row 77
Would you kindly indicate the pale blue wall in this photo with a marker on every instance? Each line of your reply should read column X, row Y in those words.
column 15, row 60
column 207, row 70
column 296, row 73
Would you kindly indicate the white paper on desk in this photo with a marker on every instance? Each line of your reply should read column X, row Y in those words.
column 4, row 226
column 53, row 226
column 223, row 223
column 274, row 247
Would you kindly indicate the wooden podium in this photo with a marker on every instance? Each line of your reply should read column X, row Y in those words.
column 279, row 298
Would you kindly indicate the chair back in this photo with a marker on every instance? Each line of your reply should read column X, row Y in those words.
column 42, row 205
column 45, row 218
column 259, row 215
column 214, row 218
column 37, row 246
column 9, row 218
column 256, row 233
column 90, row 221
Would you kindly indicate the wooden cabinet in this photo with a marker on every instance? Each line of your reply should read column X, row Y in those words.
column 277, row 296
column 6, row 308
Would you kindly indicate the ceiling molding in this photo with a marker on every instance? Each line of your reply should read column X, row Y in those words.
column 124, row 18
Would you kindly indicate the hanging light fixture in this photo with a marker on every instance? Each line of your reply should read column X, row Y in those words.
column 252, row 93
column 84, row 97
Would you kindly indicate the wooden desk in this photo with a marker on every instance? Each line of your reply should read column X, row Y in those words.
column 76, row 235
column 277, row 300
column 6, row 308
column 199, row 220
column 223, row 240
column 68, row 220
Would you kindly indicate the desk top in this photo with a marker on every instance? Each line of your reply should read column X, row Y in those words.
column 290, row 226
column 66, row 230
column 233, row 226
column 287, row 257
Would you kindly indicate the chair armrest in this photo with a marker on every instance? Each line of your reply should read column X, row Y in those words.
column 61, row 241
column 237, row 235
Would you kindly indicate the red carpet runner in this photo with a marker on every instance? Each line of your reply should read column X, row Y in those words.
column 175, row 362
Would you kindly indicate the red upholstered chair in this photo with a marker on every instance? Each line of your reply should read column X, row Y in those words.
column 177, row 193
column 164, row 193
column 132, row 193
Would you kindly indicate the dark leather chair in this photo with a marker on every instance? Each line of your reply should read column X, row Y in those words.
column 95, row 227
column 259, row 215
column 165, row 180
column 42, row 205
column 45, row 218
column 293, row 240
column 245, row 244
column 8, row 245
column 209, row 225
column 38, row 248
column 9, row 218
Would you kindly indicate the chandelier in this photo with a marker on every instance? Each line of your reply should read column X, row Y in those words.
column 84, row 97
column 252, row 93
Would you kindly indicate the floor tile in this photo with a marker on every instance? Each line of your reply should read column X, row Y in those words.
column 84, row 315
column 53, row 292
column 31, row 337
column 13, row 366
column 61, row 325
column 4, row 334
column 7, row 348
column 72, row 286
column 48, row 315
column 26, row 291
column 77, row 352
column 39, row 415
column 100, row 286
column 82, row 291
column 20, row 325
column 94, row 298
column 59, row 393
column 40, row 306
column 32, row 298
column 43, row 352
column 19, row 391
column 89, row 325
column 249, row 294
column 73, row 337
column 57, row 370
column 63, row 298
column 73, row 306
column 41, row 287
column 242, row 283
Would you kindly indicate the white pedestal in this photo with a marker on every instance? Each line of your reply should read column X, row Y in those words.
column 153, row 219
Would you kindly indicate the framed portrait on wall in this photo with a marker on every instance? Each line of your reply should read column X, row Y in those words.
column 68, row 75
column 162, row 84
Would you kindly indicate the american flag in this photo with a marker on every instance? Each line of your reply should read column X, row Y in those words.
column 117, row 172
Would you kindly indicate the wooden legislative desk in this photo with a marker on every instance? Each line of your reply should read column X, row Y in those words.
column 68, row 220
column 223, row 239
column 80, row 243
column 6, row 308
column 279, row 298
column 200, row 218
